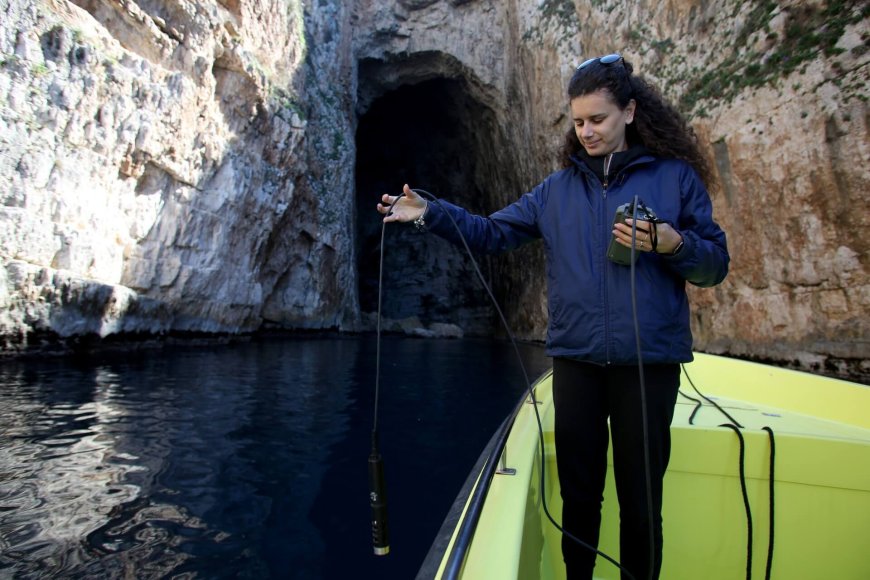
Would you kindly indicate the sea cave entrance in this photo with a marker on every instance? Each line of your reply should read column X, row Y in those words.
column 433, row 135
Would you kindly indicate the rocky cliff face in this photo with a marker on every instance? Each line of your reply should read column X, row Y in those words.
column 212, row 166
column 165, row 167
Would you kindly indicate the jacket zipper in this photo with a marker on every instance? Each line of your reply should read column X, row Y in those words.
column 607, row 161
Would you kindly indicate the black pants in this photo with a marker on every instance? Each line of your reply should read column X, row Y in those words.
column 585, row 395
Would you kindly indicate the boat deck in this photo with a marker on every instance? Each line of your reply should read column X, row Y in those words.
column 821, row 473
column 821, row 483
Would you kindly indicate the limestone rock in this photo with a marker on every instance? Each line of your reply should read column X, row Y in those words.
column 167, row 152
column 195, row 165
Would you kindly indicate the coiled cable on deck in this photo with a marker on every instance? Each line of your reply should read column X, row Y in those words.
column 770, row 535
column 708, row 399
column 745, row 498
column 698, row 405
column 735, row 426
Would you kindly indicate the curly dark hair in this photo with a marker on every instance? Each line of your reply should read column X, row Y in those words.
column 657, row 125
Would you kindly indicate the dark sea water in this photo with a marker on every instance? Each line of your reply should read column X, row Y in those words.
column 242, row 461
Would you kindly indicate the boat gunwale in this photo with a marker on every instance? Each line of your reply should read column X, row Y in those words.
column 461, row 521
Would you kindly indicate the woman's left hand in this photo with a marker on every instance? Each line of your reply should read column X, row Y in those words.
column 668, row 237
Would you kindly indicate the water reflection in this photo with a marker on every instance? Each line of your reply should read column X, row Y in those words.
column 240, row 461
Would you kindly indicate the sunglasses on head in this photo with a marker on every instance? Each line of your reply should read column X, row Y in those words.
column 607, row 59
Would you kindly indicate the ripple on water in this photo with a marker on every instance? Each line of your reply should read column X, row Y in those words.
column 237, row 462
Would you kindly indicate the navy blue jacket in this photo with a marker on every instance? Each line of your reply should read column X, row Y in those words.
column 589, row 297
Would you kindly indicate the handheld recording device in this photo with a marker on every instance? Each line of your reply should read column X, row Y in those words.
column 616, row 252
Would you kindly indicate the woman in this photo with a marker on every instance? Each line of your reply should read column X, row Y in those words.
column 626, row 142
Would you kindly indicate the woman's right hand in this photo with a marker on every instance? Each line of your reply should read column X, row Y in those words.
column 406, row 208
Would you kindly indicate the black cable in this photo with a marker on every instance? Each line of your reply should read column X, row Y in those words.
column 709, row 400
column 698, row 405
column 771, row 478
column 486, row 287
column 649, row 497
column 378, row 341
column 377, row 484
column 734, row 425
column 528, row 385
column 745, row 499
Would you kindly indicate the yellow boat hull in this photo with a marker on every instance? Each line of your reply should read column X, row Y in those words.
column 821, row 430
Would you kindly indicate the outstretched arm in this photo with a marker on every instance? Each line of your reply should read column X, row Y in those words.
column 502, row 231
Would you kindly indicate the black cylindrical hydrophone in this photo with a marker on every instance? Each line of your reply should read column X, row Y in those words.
column 378, row 501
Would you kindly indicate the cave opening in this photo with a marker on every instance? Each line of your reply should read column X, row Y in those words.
column 432, row 135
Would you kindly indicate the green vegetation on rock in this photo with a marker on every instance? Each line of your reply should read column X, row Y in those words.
column 810, row 30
